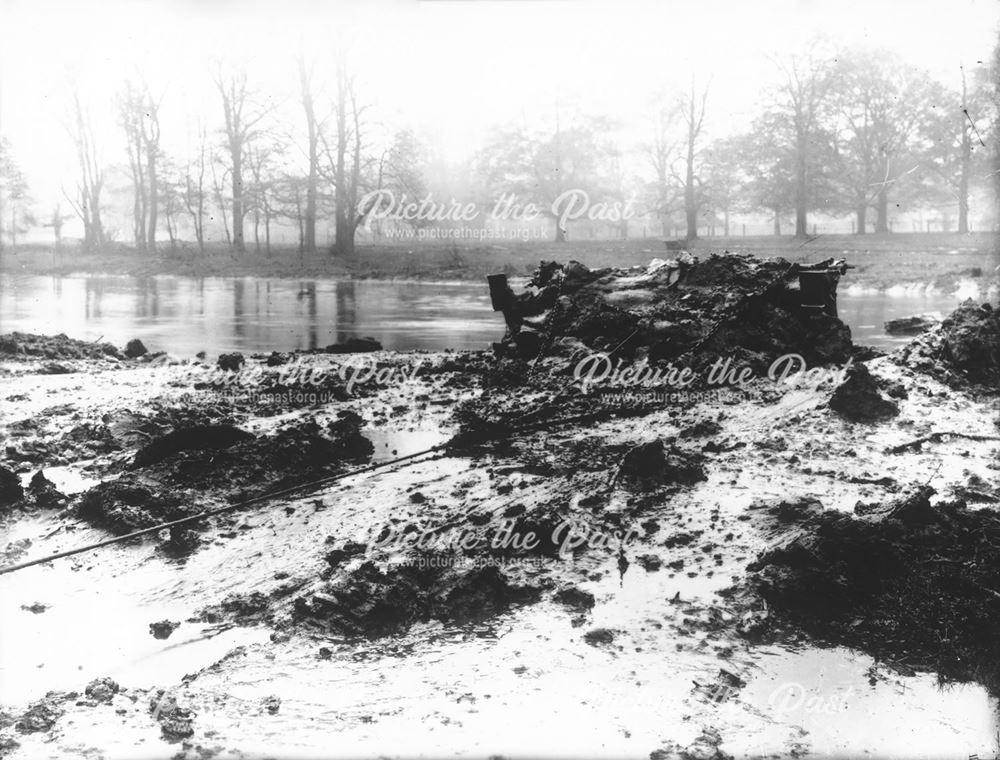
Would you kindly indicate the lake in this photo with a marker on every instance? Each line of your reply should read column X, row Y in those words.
column 185, row 315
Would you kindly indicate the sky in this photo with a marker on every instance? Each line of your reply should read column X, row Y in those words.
column 450, row 69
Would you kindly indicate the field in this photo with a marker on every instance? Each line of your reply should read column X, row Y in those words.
column 881, row 260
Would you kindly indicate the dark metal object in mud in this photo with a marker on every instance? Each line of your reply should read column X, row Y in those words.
column 818, row 287
column 502, row 298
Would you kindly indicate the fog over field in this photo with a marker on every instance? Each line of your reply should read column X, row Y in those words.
column 463, row 100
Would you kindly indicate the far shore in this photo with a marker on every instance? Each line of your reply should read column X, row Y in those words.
column 940, row 260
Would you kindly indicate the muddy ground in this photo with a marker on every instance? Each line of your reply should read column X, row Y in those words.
column 632, row 571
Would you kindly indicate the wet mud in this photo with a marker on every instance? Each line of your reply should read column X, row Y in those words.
column 621, row 546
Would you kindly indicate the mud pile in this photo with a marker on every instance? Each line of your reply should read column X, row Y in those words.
column 729, row 305
column 908, row 581
column 18, row 345
column 187, row 470
column 41, row 493
column 858, row 398
column 371, row 602
column 965, row 347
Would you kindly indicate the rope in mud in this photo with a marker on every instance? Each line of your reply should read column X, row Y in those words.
column 228, row 508
column 482, row 436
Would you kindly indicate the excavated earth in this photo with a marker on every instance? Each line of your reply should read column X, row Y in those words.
column 614, row 569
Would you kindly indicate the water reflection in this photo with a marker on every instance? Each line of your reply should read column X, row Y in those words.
column 186, row 315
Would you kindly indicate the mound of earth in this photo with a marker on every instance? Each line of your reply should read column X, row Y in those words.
column 17, row 345
column 858, row 398
column 650, row 465
column 371, row 602
column 728, row 305
column 907, row 581
column 964, row 347
column 171, row 480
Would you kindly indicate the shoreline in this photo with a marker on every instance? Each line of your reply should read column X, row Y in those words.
column 881, row 262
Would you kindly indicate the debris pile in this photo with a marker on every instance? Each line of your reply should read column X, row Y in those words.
column 371, row 602
column 726, row 305
column 965, row 347
column 907, row 581
column 17, row 345
column 180, row 474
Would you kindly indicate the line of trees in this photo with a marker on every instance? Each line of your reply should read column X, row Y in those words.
column 243, row 176
column 857, row 134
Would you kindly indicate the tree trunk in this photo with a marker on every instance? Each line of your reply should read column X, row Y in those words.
column 341, row 234
column 560, row 233
column 726, row 221
column 690, row 208
column 777, row 223
column 882, row 222
column 238, row 239
column 308, row 238
column 963, row 182
column 256, row 230
column 801, row 185
column 862, row 212
column 153, row 198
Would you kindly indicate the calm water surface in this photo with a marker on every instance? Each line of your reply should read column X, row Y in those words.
column 184, row 315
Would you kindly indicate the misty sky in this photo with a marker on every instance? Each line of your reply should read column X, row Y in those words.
column 449, row 69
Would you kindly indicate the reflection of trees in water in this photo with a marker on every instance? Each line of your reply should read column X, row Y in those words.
column 201, row 296
column 239, row 308
column 93, row 290
column 307, row 293
column 345, row 292
column 147, row 302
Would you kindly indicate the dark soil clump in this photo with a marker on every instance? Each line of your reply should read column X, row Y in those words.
column 17, row 345
column 179, row 481
column 373, row 603
column 907, row 581
column 11, row 490
column 858, row 398
column 651, row 465
column 964, row 348
column 196, row 438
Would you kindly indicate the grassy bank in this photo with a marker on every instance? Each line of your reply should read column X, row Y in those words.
column 881, row 260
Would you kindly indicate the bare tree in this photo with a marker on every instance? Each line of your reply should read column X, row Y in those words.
column 801, row 99
column 344, row 237
column 953, row 135
column 195, row 191
column 87, row 202
column 218, row 183
column 242, row 116
column 130, row 118
column 139, row 118
column 693, row 113
column 262, row 190
column 313, row 128
column 661, row 153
